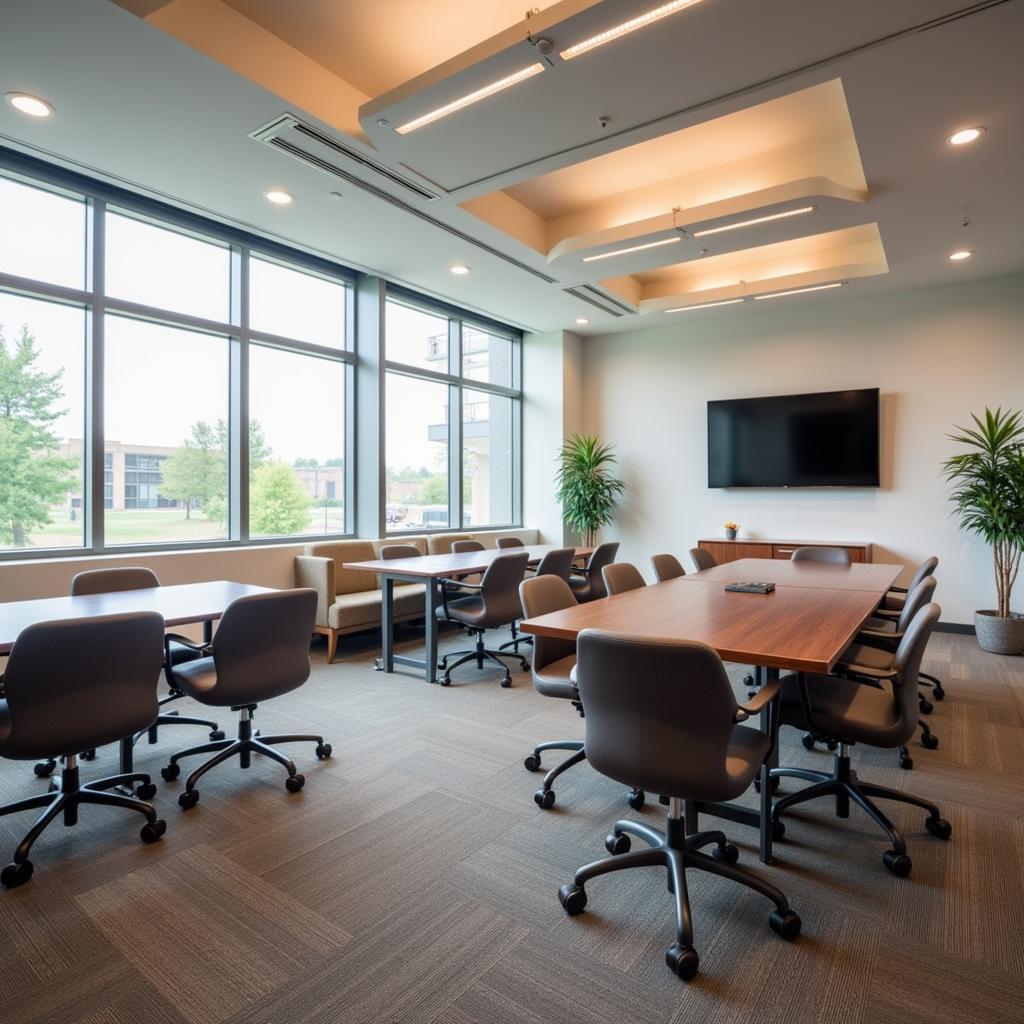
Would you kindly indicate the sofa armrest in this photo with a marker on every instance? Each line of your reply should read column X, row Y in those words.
column 317, row 573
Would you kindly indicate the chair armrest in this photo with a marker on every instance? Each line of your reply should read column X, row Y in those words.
column 873, row 675
column 185, row 642
column 458, row 584
column 319, row 574
column 887, row 613
column 880, row 634
column 898, row 590
column 768, row 692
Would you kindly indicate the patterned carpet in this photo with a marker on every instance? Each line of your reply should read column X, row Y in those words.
column 414, row 879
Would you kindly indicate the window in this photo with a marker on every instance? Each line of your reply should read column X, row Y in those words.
column 294, row 304
column 415, row 338
column 486, row 357
column 486, row 458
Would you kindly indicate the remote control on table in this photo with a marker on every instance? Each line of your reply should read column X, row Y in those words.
column 751, row 588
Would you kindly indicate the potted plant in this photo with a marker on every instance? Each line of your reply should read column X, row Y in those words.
column 988, row 494
column 730, row 530
column 587, row 491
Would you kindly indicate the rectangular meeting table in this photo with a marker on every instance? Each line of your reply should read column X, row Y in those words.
column 804, row 625
column 429, row 569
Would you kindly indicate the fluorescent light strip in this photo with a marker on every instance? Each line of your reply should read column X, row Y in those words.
column 704, row 305
column 470, row 99
column 753, row 221
column 632, row 248
column 625, row 28
column 800, row 291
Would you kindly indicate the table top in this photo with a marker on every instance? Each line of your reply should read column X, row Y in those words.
column 797, row 628
column 179, row 605
column 877, row 577
column 429, row 567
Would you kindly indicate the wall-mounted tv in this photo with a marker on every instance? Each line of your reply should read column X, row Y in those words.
column 828, row 439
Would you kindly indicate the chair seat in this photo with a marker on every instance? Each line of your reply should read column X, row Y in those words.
column 881, row 625
column 747, row 750
column 463, row 609
column 180, row 653
column 196, row 678
column 864, row 656
column 558, row 679
column 848, row 710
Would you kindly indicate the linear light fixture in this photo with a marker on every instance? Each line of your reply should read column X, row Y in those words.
column 800, row 291
column 752, row 221
column 640, row 21
column 631, row 248
column 470, row 98
column 704, row 305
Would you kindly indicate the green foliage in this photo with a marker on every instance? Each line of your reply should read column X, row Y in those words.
column 32, row 475
column 587, row 491
column 988, row 491
column 195, row 473
column 434, row 490
column 279, row 503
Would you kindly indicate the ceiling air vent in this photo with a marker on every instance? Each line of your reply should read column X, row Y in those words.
column 596, row 297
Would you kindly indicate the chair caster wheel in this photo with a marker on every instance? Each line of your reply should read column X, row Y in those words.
column 832, row 745
column 573, row 898
column 531, row 763
column 324, row 751
column 907, row 763
column 506, row 682
column 617, row 844
column 146, row 791
column 898, row 863
column 16, row 874
column 785, row 924
column 636, row 799
column 808, row 741
column 938, row 693
column 926, row 706
column 544, row 798
column 446, row 680
column 171, row 772
column 727, row 854
column 188, row 799
column 153, row 831
column 773, row 784
column 682, row 961
column 44, row 768
column 778, row 831
column 294, row 783
column 939, row 827
column 663, row 800
column 88, row 755
column 217, row 734
column 930, row 741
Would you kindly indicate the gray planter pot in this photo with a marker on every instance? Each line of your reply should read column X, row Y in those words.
column 1000, row 636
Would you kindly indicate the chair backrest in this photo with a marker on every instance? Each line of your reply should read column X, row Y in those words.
column 261, row 647
column 441, row 543
column 659, row 713
column 622, row 576
column 907, row 663
column 810, row 553
column 466, row 545
column 389, row 551
column 557, row 562
column 510, row 542
column 75, row 684
column 925, row 569
column 916, row 600
column 500, row 587
column 106, row 581
column 540, row 595
column 602, row 555
column 666, row 567
column 702, row 559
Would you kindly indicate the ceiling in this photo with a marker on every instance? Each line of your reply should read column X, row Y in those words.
column 722, row 112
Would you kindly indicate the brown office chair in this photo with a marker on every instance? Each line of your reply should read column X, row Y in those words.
column 260, row 651
column 881, row 712
column 622, row 576
column 662, row 713
column 73, row 685
column 702, row 559
column 588, row 583
column 495, row 603
column 557, row 562
column 466, row 545
column 810, row 553
column 389, row 551
column 510, row 542
column 667, row 567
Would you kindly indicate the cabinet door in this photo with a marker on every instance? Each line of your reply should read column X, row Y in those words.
column 730, row 550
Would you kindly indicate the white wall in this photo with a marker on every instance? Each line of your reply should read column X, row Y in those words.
column 937, row 354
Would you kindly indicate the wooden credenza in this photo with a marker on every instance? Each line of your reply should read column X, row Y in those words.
column 723, row 550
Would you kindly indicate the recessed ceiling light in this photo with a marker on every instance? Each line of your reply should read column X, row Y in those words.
column 278, row 196
column 581, row 320
column 800, row 291
column 460, row 269
column 961, row 254
column 470, row 98
column 631, row 248
column 640, row 21
column 703, row 305
column 753, row 221
column 965, row 135
column 28, row 104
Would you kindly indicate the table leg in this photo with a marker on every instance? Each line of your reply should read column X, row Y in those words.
column 770, row 725
column 386, row 662
column 430, row 603
column 208, row 631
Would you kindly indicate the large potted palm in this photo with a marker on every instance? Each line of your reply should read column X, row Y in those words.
column 988, row 495
column 587, row 490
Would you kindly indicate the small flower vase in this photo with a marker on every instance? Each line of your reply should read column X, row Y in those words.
column 730, row 534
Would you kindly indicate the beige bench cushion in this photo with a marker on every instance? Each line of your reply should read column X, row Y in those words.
column 364, row 608
column 441, row 543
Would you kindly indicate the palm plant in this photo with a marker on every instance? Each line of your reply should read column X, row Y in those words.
column 989, row 492
column 587, row 491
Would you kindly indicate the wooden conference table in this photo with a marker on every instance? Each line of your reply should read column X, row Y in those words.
column 429, row 569
column 804, row 625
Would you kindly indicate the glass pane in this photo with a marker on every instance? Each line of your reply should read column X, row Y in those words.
column 296, row 305
column 42, row 421
column 296, row 444
column 486, row 459
column 159, row 267
column 486, row 357
column 166, row 412
column 416, row 338
column 416, row 444
column 42, row 235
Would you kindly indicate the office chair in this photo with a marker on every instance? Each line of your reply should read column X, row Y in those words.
column 702, row 559
column 666, row 567
column 260, row 651
column 880, row 713
column 810, row 553
column 72, row 685
column 557, row 562
column 389, row 551
column 510, row 542
column 495, row 603
column 662, row 713
column 588, row 583
column 466, row 545
column 622, row 576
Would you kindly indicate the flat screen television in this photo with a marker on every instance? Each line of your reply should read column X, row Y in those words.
column 828, row 439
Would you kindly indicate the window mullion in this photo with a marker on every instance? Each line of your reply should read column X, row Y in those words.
column 94, row 443
column 238, row 425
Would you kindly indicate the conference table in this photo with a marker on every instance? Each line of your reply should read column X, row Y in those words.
column 429, row 569
column 803, row 625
